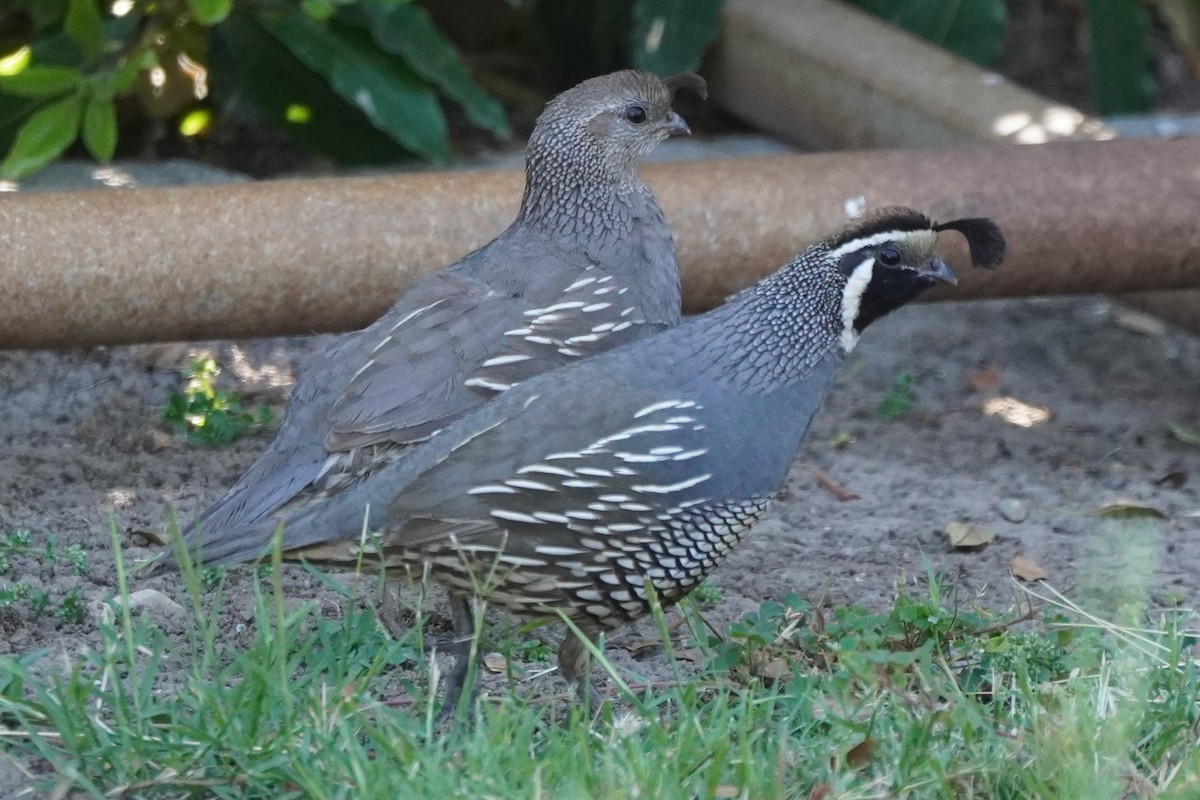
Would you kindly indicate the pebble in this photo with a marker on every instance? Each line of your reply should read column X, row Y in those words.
column 1012, row 509
column 151, row 602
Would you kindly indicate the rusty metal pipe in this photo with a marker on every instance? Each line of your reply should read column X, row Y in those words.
column 286, row 257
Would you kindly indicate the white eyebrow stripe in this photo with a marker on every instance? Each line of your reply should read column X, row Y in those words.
column 865, row 241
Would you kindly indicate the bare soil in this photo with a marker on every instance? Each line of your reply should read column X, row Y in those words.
column 83, row 442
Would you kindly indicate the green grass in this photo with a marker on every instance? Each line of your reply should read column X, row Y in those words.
column 926, row 700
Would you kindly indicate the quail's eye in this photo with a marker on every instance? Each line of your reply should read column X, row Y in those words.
column 635, row 114
column 889, row 256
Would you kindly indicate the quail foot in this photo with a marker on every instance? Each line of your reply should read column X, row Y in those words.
column 588, row 264
column 644, row 466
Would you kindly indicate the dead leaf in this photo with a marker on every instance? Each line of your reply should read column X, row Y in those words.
column 776, row 670
column 1026, row 569
column 984, row 380
column 963, row 536
column 1185, row 434
column 1175, row 479
column 725, row 791
column 819, row 792
column 638, row 645
column 1139, row 322
column 1129, row 509
column 859, row 756
column 153, row 537
column 830, row 485
column 691, row 654
column 495, row 663
column 1016, row 412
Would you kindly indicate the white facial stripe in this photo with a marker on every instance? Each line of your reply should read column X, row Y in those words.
column 852, row 296
column 922, row 239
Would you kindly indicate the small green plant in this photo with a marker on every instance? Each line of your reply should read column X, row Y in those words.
column 9, row 595
column 708, row 594
column 900, row 397
column 20, row 596
column 208, row 415
column 72, row 607
column 210, row 577
column 532, row 650
column 77, row 558
column 12, row 543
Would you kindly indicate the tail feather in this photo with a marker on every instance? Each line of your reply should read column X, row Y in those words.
column 241, row 527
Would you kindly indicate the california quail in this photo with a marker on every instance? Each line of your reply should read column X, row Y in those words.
column 588, row 264
column 647, row 463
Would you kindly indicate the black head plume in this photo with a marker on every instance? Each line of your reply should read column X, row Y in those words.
column 687, row 80
column 984, row 239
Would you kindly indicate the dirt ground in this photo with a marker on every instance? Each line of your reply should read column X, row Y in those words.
column 82, row 439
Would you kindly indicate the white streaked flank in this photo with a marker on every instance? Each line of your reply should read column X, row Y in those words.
column 499, row 361
column 484, row 383
column 491, row 488
column 514, row 516
column 525, row 483
column 654, row 488
column 546, row 469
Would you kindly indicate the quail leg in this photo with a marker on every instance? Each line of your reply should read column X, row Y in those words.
column 575, row 664
column 462, row 616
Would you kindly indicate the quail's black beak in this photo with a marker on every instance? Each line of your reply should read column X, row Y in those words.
column 939, row 271
column 675, row 126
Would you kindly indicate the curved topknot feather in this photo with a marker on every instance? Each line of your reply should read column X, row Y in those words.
column 984, row 240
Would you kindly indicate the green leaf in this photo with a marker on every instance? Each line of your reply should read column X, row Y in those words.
column 100, row 128
column 407, row 31
column 210, row 12
column 392, row 96
column 669, row 36
column 973, row 29
column 41, row 81
column 135, row 63
column 582, row 38
column 318, row 9
column 257, row 66
column 85, row 25
column 43, row 137
column 45, row 13
column 1120, row 61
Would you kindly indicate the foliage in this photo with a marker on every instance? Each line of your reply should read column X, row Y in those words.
column 1117, row 36
column 587, row 37
column 973, row 29
column 358, row 80
column 310, row 66
column 1120, row 60
column 208, row 415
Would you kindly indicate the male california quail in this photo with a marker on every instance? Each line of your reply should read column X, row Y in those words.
column 647, row 463
column 588, row 264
